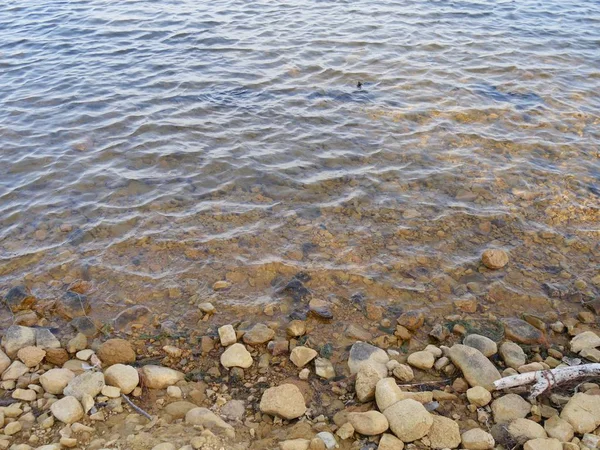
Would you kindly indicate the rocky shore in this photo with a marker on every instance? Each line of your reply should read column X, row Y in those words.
column 260, row 384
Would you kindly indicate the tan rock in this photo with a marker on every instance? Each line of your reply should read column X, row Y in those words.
column 370, row 423
column 301, row 356
column 408, row 420
column 479, row 396
column 67, row 409
column 582, row 412
column 444, row 433
column 477, row 439
column 421, row 360
column 366, row 380
column 126, row 378
column 494, row 258
column 523, row 430
column 31, row 356
column 236, row 355
column 509, row 408
column 158, row 377
column 116, row 351
column 285, row 401
column 543, row 444
column 559, row 429
column 390, row 442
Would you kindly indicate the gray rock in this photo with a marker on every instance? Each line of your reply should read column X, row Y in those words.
column 88, row 383
column 206, row 418
column 137, row 314
column 509, row 408
column 512, row 355
column 520, row 331
column 17, row 337
column 484, row 344
column 363, row 353
column 476, row 368
column 85, row 326
column 19, row 298
column 45, row 339
column 234, row 409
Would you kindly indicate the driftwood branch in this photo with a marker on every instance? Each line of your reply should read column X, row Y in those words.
column 547, row 379
column 136, row 408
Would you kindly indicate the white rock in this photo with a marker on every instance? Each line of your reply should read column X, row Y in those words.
column 158, row 377
column 227, row 335
column 67, row 409
column 55, row 381
column 236, row 355
column 328, row 439
column 122, row 376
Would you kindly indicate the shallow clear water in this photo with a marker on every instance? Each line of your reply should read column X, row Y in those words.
column 154, row 148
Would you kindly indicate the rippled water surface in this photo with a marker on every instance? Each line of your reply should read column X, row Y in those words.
column 154, row 148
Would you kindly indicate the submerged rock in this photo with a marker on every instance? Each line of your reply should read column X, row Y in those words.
column 520, row 331
column 19, row 298
column 73, row 304
column 135, row 315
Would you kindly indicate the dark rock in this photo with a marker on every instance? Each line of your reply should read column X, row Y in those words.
column 19, row 298
column 138, row 314
column 520, row 331
column 73, row 305
column 296, row 289
column 84, row 325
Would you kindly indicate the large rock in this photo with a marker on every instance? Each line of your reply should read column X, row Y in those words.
column 523, row 430
column 56, row 380
column 543, row 444
column 476, row 368
column 362, row 353
column 116, row 351
column 19, row 298
column 285, row 401
column 207, row 419
column 509, row 408
column 236, row 355
column 88, row 383
column 582, row 412
column 366, row 380
column 158, row 377
column 16, row 337
column 409, row 420
column 370, row 423
column 73, row 304
column 67, row 410
column 258, row 334
column 122, row 376
column 522, row 332
column 387, row 392
column 301, row 356
column 585, row 340
column 45, row 339
column 512, row 354
column 444, row 433
column 477, row 439
column 484, row 344
column 559, row 428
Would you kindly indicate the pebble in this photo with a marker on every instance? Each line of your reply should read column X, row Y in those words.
column 84, row 355
column 207, row 308
column 512, row 354
column 510, row 407
column 126, row 378
column 258, row 334
column 158, row 377
column 408, row 420
column 116, row 351
column 304, row 374
column 370, row 423
column 366, row 380
column 27, row 395
column 520, row 331
column 236, row 355
column 484, row 344
column 227, row 335
column 404, row 373
column 301, row 356
column 328, row 439
column 324, row 368
column 477, row 439
column 494, row 258
column 525, row 429
column 296, row 328
column 88, row 383
column 67, row 409
column 390, row 442
column 421, row 360
column 444, row 433
column 411, row 320
column 221, row 285
column 476, row 368
column 362, row 353
column 479, row 396
column 585, row 340
column 285, row 401
column 320, row 308
column 14, row 371
column 171, row 350
column 543, row 444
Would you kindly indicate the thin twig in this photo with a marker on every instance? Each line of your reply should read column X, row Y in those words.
column 137, row 408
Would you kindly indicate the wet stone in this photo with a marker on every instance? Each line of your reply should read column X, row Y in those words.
column 321, row 309
column 494, row 258
column 84, row 325
column 19, row 298
column 258, row 334
column 135, row 315
column 411, row 320
column 73, row 304
column 520, row 331
column 45, row 339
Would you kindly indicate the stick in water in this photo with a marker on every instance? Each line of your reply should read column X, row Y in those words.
column 547, row 379
column 137, row 408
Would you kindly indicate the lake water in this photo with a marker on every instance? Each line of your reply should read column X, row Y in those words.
column 374, row 147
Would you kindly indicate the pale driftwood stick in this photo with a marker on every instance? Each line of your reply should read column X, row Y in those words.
column 137, row 408
column 547, row 379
